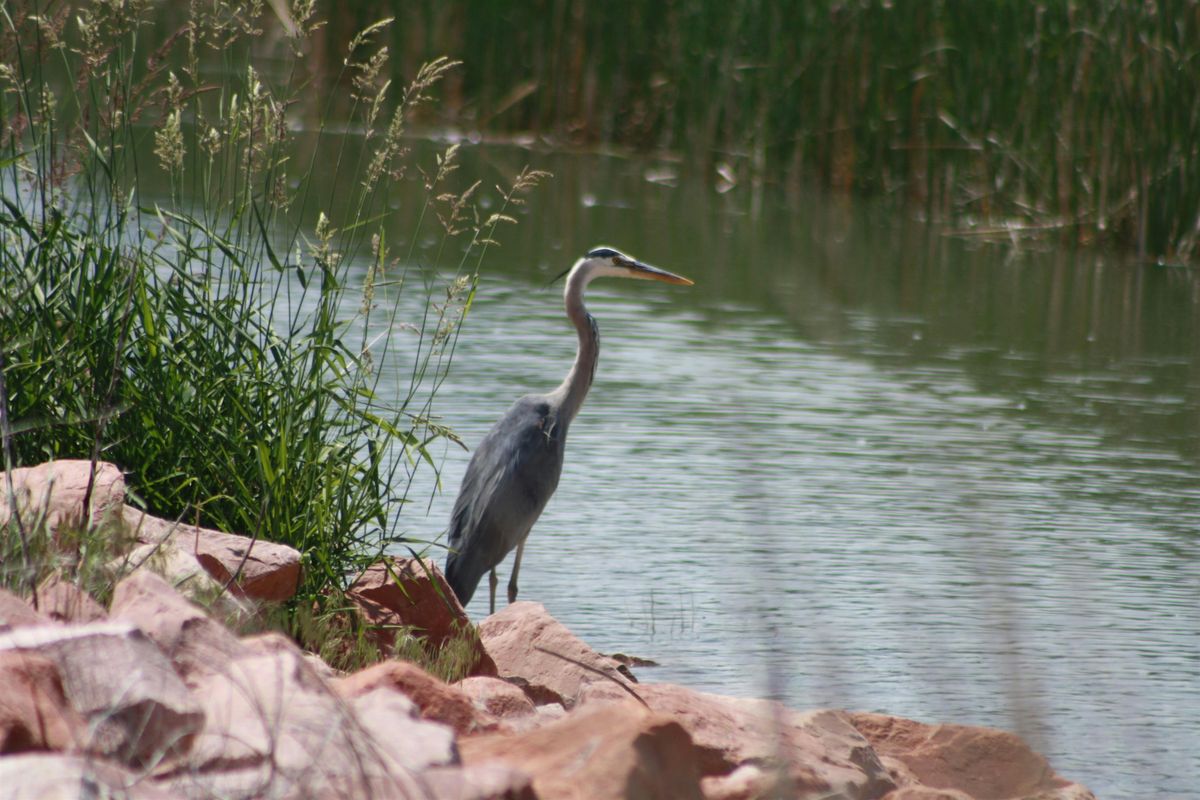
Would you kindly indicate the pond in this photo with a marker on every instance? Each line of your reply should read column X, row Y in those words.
column 859, row 464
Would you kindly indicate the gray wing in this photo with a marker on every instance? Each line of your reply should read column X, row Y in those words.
column 509, row 480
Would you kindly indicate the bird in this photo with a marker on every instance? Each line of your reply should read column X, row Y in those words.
column 515, row 469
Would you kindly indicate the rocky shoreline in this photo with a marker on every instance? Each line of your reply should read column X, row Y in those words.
column 154, row 697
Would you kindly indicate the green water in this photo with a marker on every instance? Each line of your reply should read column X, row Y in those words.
column 860, row 464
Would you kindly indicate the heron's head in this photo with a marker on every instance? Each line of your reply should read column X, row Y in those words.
column 607, row 262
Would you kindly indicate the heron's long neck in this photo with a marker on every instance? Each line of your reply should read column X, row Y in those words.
column 575, row 387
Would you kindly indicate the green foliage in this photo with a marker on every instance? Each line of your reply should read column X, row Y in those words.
column 88, row 556
column 1077, row 116
column 451, row 661
column 335, row 635
column 219, row 339
column 340, row 636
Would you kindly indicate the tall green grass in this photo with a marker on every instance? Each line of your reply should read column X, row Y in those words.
column 178, row 297
column 1079, row 117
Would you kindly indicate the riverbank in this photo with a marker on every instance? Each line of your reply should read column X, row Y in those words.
column 156, row 695
column 1013, row 122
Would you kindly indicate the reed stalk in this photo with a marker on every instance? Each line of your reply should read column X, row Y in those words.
column 1076, row 117
column 181, row 295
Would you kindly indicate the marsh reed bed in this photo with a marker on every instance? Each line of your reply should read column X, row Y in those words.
column 1001, row 117
column 221, row 339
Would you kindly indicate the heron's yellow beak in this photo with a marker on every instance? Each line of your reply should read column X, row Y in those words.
column 646, row 272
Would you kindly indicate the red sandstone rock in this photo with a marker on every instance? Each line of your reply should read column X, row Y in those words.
column 34, row 712
column 274, row 728
column 616, row 750
column 390, row 719
column 16, row 613
column 412, row 593
column 183, row 572
column 66, row 602
column 526, row 642
column 918, row 792
column 480, row 782
column 190, row 638
column 983, row 763
column 437, row 701
column 747, row 782
column 543, row 714
column 51, row 776
column 136, row 707
column 273, row 643
column 497, row 697
column 56, row 491
column 266, row 570
column 810, row 754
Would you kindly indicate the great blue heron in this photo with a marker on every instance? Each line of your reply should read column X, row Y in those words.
column 516, row 467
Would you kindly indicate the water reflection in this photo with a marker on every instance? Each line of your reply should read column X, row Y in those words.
column 863, row 465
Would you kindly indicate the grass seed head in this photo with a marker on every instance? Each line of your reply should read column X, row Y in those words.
column 168, row 143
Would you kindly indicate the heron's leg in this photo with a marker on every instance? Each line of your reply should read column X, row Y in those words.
column 492, row 581
column 512, row 581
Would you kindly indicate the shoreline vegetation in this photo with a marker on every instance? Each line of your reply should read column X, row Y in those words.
column 1005, row 118
column 224, row 336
